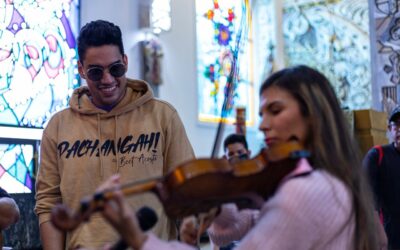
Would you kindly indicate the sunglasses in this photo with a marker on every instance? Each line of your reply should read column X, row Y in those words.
column 395, row 125
column 96, row 73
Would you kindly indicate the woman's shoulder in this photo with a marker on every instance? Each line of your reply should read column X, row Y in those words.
column 318, row 194
column 318, row 184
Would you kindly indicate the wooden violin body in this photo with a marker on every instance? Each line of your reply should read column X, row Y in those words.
column 200, row 185
column 247, row 183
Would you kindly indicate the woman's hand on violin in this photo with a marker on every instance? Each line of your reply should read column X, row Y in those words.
column 121, row 216
column 193, row 227
column 188, row 230
column 114, row 182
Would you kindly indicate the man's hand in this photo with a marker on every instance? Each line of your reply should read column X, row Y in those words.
column 52, row 238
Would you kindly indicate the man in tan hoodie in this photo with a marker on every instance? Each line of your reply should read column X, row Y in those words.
column 113, row 125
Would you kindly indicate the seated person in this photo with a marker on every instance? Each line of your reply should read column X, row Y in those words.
column 9, row 211
column 236, row 147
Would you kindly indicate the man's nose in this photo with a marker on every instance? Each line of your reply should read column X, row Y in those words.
column 235, row 154
column 107, row 77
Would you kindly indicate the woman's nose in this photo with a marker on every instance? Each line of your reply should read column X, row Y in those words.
column 265, row 124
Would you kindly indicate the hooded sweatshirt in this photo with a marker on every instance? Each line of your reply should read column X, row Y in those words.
column 82, row 146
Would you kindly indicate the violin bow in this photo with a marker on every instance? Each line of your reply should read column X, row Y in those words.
column 233, row 75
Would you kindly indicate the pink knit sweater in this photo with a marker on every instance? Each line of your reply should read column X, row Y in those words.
column 308, row 212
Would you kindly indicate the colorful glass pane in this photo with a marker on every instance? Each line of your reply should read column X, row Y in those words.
column 333, row 37
column 386, row 47
column 17, row 164
column 160, row 15
column 218, row 24
column 38, row 59
column 265, row 37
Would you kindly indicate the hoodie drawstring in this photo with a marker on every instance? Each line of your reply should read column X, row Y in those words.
column 116, row 138
column 100, row 154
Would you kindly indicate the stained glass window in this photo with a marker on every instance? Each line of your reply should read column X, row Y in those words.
column 333, row 37
column 218, row 24
column 38, row 59
column 17, row 165
column 38, row 72
column 265, row 43
column 160, row 16
column 386, row 71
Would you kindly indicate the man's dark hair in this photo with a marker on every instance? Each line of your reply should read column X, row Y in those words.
column 98, row 33
column 394, row 114
column 235, row 138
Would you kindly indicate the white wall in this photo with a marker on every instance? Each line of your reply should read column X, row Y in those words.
column 123, row 13
column 179, row 63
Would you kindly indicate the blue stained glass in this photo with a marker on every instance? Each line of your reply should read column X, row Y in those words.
column 22, row 170
column 333, row 37
column 218, row 23
column 17, row 163
column 38, row 60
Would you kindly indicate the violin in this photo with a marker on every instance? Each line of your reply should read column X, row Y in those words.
column 199, row 185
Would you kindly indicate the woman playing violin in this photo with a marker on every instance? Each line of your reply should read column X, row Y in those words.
column 323, row 204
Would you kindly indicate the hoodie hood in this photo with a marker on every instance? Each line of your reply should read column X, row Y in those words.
column 137, row 93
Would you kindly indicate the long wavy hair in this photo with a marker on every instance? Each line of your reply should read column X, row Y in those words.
column 333, row 148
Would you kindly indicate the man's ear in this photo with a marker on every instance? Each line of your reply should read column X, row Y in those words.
column 80, row 70
column 125, row 60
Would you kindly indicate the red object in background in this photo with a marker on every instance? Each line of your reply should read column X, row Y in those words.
column 241, row 120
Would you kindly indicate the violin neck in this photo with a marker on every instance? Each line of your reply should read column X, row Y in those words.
column 135, row 188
